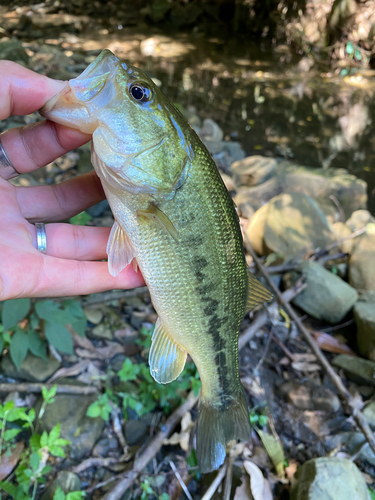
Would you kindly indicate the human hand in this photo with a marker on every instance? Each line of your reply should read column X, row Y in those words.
column 69, row 267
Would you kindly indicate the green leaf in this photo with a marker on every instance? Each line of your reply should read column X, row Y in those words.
column 44, row 439
column 35, row 461
column 48, row 394
column 52, row 312
column 58, row 336
column 81, row 219
column 56, row 451
column 94, row 410
column 274, row 450
column 9, row 488
column 349, row 48
column 54, row 434
column 1, row 343
column 35, row 442
column 79, row 326
column 372, row 494
column 75, row 495
column 358, row 55
column 59, row 494
column 14, row 311
column 11, row 434
column 128, row 371
column 19, row 347
column 36, row 345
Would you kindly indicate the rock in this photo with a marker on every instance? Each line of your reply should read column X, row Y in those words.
column 228, row 181
column 234, row 151
column 211, row 131
column 289, row 225
column 369, row 413
column 326, row 296
column 70, row 411
column 341, row 230
column 98, row 209
column 361, row 368
column 135, row 431
column 101, row 332
column 328, row 479
column 94, row 315
column 362, row 263
column 364, row 315
column 310, row 396
column 253, row 170
column 350, row 192
column 12, row 50
column 214, row 147
column 359, row 219
column 32, row 369
column 67, row 481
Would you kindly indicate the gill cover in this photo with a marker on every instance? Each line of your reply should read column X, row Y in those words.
column 139, row 138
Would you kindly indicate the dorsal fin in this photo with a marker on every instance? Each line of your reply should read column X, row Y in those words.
column 257, row 293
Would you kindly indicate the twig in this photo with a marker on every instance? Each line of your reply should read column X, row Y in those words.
column 37, row 388
column 215, row 483
column 180, row 480
column 117, row 429
column 99, row 298
column 150, row 452
column 265, row 351
column 262, row 317
column 336, row 380
column 96, row 462
column 228, row 478
column 327, row 258
column 338, row 242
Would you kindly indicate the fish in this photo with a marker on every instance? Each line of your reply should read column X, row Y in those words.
column 176, row 221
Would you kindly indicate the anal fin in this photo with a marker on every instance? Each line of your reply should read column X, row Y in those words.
column 119, row 249
column 166, row 358
column 257, row 293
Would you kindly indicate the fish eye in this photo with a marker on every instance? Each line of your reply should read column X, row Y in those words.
column 140, row 92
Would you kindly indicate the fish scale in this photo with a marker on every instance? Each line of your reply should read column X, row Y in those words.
column 175, row 216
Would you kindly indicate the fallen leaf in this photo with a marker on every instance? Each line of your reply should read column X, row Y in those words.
column 243, row 492
column 331, row 344
column 291, row 469
column 70, row 371
column 306, row 367
column 274, row 450
column 8, row 463
column 258, row 485
column 183, row 437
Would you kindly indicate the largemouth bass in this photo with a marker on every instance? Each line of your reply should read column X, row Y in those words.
column 174, row 215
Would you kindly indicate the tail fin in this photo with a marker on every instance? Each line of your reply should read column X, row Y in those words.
column 219, row 422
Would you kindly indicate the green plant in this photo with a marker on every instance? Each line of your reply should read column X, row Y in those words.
column 258, row 417
column 147, row 490
column 100, row 408
column 32, row 467
column 27, row 328
column 81, row 219
column 73, row 495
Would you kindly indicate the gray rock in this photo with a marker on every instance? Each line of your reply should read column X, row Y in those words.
column 362, row 263
column 94, row 314
column 135, row 431
column 342, row 231
column 361, row 369
column 70, row 411
column 329, row 479
column 101, row 332
column 350, row 192
column 32, row 369
column 67, row 481
column 310, row 396
column 211, row 131
column 326, row 296
column 234, row 150
column 289, row 225
column 253, row 170
column 12, row 50
column 364, row 315
column 98, row 209
column 359, row 219
column 369, row 413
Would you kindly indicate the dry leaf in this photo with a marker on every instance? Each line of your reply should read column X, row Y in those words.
column 182, row 438
column 331, row 344
column 259, row 486
column 70, row 371
column 8, row 463
column 243, row 492
column 291, row 469
column 274, row 450
column 305, row 363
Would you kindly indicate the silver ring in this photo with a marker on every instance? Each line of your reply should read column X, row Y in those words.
column 41, row 237
column 7, row 171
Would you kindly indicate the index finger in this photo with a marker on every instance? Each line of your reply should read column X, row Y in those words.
column 22, row 91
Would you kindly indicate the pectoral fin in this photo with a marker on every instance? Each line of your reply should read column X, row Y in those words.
column 166, row 358
column 153, row 212
column 257, row 294
column 119, row 249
